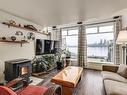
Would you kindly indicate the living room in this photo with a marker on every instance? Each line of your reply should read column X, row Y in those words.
column 75, row 47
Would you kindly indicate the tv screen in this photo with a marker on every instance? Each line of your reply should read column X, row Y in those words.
column 55, row 46
column 46, row 46
column 39, row 46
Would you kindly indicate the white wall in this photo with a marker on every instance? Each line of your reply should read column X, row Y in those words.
column 123, row 13
column 9, row 51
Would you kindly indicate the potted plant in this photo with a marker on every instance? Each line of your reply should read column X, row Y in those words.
column 60, row 56
column 39, row 65
column 68, row 56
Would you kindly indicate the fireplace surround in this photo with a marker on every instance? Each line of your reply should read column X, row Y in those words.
column 18, row 68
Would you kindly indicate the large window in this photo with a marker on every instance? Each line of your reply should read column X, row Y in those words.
column 100, row 43
column 70, row 41
column 100, row 40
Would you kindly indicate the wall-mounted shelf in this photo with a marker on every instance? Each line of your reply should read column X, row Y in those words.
column 17, row 42
column 20, row 27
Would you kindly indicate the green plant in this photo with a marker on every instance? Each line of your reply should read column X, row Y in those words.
column 50, row 59
column 60, row 55
column 39, row 65
column 68, row 53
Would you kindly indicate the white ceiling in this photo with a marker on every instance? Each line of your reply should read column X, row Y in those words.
column 54, row 12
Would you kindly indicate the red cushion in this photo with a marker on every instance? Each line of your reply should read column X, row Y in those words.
column 6, row 91
column 33, row 90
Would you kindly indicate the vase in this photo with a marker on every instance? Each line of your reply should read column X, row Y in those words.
column 59, row 65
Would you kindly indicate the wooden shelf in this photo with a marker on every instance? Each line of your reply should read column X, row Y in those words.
column 14, row 41
column 16, row 26
column 18, row 42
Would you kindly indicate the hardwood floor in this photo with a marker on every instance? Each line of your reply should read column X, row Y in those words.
column 90, row 84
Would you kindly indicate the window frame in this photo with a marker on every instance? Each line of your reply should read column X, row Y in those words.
column 98, row 32
column 68, row 29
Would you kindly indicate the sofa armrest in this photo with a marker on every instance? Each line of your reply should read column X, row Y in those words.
column 54, row 90
column 110, row 68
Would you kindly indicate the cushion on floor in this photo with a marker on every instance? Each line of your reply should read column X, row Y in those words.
column 113, row 76
column 34, row 90
column 115, row 87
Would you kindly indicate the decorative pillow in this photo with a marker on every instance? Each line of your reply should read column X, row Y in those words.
column 122, row 70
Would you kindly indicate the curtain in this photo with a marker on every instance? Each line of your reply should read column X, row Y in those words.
column 118, row 27
column 82, row 47
column 59, row 33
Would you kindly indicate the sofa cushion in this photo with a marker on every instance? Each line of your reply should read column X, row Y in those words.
column 115, row 87
column 33, row 90
column 113, row 76
column 6, row 91
column 122, row 70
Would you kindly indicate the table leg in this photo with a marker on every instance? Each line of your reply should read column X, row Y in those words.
column 67, row 90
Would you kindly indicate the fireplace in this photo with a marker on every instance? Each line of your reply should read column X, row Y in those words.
column 18, row 68
column 24, row 70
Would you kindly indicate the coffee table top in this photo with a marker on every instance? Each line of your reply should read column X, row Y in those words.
column 68, row 76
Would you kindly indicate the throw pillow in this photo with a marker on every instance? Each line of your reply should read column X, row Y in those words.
column 122, row 70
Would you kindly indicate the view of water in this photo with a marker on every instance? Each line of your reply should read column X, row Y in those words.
column 97, row 51
column 91, row 51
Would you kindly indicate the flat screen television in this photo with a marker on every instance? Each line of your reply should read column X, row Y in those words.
column 54, row 46
column 39, row 46
column 46, row 46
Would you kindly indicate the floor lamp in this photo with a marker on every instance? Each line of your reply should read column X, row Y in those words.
column 122, row 40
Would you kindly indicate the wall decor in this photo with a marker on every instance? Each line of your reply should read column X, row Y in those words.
column 12, row 22
column 24, row 38
column 30, row 36
column 13, row 38
column 19, row 33
column 30, row 27
column 19, row 25
column 3, row 38
column 25, row 27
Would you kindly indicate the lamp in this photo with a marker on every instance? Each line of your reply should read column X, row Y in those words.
column 122, row 40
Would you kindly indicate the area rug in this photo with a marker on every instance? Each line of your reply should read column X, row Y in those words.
column 36, row 81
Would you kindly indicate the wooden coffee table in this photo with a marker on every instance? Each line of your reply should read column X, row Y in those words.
column 68, row 79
